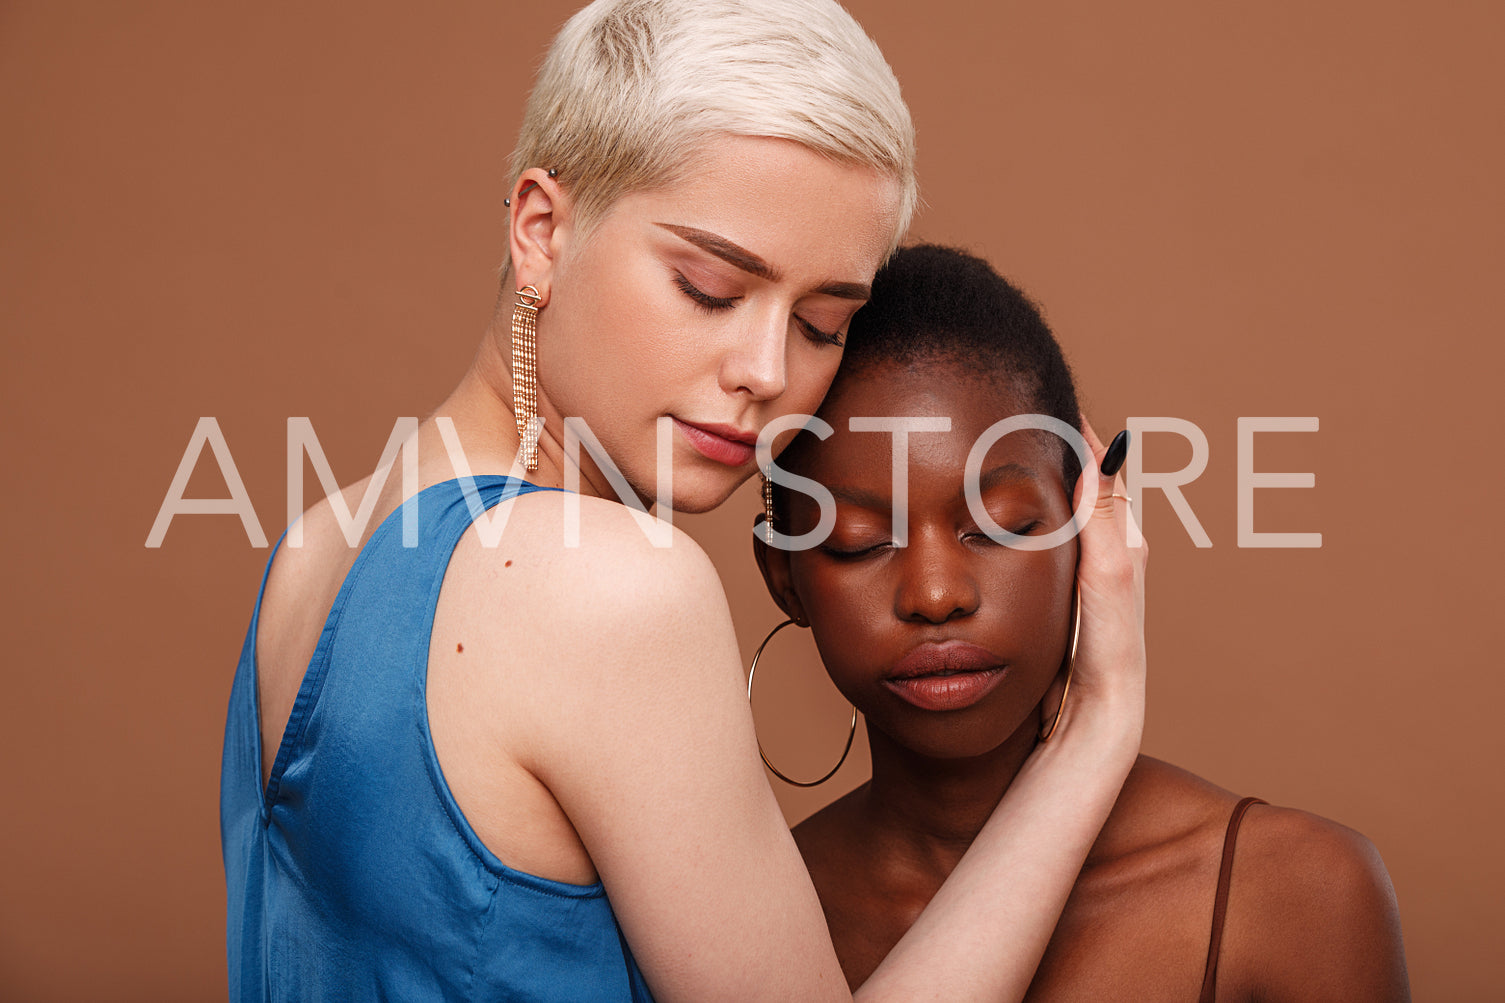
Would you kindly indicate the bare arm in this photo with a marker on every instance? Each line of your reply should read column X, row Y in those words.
column 1003, row 900
column 641, row 731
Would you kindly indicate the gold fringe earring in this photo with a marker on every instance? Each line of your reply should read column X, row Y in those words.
column 525, row 373
column 767, row 511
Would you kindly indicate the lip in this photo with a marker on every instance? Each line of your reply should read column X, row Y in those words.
column 946, row 675
column 723, row 443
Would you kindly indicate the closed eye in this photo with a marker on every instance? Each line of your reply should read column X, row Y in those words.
column 815, row 334
column 1022, row 530
column 853, row 554
column 704, row 299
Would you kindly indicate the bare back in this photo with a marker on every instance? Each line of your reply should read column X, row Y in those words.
column 473, row 697
column 593, row 696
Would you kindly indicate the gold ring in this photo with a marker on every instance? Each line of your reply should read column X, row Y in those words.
column 1124, row 497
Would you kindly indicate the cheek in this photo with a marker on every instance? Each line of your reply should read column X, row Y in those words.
column 604, row 342
column 810, row 371
column 1028, row 600
column 845, row 616
column 1049, row 596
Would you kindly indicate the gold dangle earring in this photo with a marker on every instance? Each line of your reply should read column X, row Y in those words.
column 767, row 510
column 525, row 373
column 851, row 730
column 1076, row 634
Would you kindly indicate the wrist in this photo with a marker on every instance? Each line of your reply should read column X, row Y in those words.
column 1102, row 728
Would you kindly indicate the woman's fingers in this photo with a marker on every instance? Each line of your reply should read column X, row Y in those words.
column 1109, row 460
column 1090, row 434
column 1110, row 575
column 1103, row 557
column 1111, row 508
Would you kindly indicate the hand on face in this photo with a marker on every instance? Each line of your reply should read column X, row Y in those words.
column 1109, row 677
column 945, row 638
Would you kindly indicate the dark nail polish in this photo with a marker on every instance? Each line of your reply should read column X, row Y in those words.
column 1118, row 451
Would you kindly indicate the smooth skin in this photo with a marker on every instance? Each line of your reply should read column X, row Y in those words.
column 588, row 703
column 1312, row 915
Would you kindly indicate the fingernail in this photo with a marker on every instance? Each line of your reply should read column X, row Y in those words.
column 1118, row 451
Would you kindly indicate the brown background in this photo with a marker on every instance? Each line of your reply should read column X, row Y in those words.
column 1276, row 209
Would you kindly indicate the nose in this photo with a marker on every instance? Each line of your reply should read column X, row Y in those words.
column 756, row 363
column 936, row 582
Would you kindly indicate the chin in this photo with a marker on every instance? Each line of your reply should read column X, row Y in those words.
column 694, row 495
column 953, row 739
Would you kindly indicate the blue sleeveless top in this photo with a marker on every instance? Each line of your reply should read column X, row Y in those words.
column 354, row 875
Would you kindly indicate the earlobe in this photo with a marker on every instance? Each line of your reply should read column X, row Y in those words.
column 773, row 562
column 540, row 211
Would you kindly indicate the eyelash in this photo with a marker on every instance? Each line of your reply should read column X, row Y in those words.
column 1019, row 531
column 713, row 304
column 851, row 555
column 706, row 300
column 854, row 555
column 834, row 338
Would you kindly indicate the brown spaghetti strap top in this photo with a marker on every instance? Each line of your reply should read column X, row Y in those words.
column 1220, row 904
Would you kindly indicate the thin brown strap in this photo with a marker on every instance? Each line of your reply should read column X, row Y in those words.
column 1220, row 904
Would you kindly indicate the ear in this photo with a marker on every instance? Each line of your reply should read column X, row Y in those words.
column 540, row 225
column 774, row 563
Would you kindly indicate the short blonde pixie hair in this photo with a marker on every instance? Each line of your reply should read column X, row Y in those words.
column 632, row 89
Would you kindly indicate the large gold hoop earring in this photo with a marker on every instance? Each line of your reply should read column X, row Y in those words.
column 1076, row 634
column 525, row 373
column 851, row 733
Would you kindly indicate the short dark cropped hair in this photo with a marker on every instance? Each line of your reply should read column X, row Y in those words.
column 934, row 304
column 939, row 304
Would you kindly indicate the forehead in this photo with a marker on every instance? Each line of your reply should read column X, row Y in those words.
column 935, row 387
column 782, row 201
column 972, row 401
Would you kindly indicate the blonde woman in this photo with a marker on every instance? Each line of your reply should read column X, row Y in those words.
column 501, row 749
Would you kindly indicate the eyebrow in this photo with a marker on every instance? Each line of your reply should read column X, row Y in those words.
column 847, row 291
column 740, row 257
column 1003, row 476
column 732, row 254
column 1006, row 475
column 860, row 498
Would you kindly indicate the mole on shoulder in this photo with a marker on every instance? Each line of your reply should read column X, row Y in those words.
column 507, row 565
column 459, row 647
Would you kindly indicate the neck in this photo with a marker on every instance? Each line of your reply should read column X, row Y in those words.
column 481, row 408
column 930, row 810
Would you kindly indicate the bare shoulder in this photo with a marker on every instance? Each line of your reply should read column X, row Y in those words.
column 1155, row 780
column 1312, row 912
column 1310, row 851
column 1302, row 872
column 1166, row 812
column 596, row 682
column 1288, row 862
column 551, row 650
column 576, row 585
column 585, row 565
